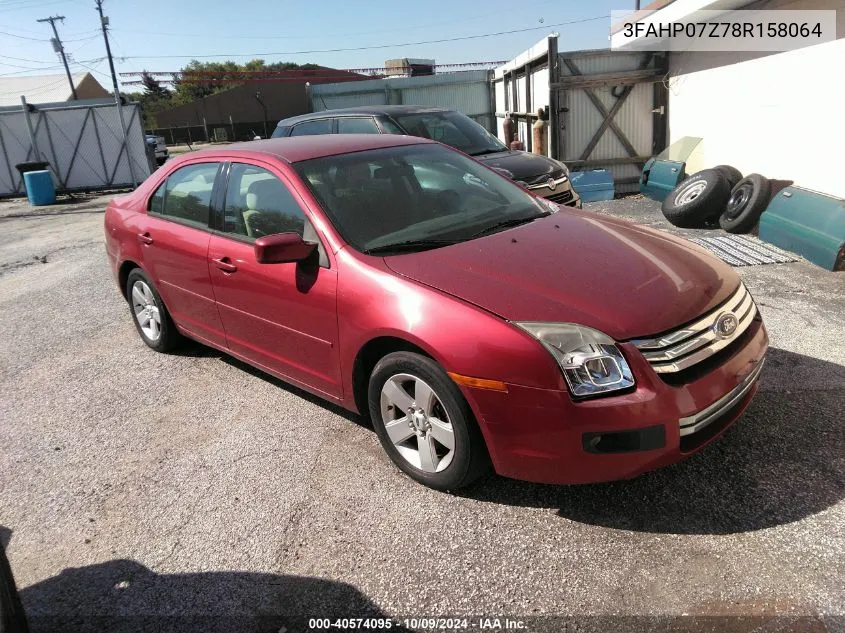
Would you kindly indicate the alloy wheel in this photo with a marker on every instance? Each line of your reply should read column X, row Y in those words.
column 417, row 423
column 146, row 311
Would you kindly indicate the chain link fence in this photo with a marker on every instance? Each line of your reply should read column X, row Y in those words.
column 214, row 132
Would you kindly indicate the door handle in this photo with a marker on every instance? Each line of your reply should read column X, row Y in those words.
column 145, row 238
column 225, row 265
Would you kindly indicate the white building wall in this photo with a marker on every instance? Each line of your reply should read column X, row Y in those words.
column 780, row 115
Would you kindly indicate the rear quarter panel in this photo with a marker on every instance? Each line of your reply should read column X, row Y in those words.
column 123, row 221
column 121, row 229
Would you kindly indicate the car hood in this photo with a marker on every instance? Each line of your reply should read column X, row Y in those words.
column 625, row 280
column 520, row 164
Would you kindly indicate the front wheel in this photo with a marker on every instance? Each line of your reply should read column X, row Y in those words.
column 424, row 423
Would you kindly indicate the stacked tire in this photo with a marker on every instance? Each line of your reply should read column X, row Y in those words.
column 720, row 195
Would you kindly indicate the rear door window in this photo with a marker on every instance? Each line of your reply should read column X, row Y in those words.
column 308, row 128
column 186, row 194
column 356, row 125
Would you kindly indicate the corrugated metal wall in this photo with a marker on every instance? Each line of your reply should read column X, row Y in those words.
column 510, row 100
column 578, row 118
column 465, row 91
column 634, row 117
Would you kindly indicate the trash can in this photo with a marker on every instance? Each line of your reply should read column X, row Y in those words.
column 39, row 187
column 31, row 166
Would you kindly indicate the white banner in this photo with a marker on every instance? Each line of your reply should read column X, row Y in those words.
column 712, row 30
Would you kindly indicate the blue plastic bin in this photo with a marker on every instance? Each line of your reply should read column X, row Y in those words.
column 39, row 187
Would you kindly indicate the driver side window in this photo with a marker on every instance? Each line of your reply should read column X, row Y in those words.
column 258, row 203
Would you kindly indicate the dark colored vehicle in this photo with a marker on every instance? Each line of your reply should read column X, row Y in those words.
column 475, row 323
column 541, row 175
column 159, row 146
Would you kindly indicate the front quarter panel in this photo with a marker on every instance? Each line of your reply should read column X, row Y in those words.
column 374, row 302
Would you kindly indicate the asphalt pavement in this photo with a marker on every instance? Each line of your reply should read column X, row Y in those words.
column 186, row 486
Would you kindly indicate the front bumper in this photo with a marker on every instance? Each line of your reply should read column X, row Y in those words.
column 544, row 436
column 561, row 193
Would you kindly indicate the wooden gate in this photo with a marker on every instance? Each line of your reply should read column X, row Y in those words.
column 607, row 110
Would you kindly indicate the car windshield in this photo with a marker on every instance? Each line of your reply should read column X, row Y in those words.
column 452, row 128
column 414, row 197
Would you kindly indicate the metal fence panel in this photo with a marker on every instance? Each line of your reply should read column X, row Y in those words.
column 510, row 90
column 619, row 96
column 348, row 100
column 634, row 117
column 632, row 105
column 16, row 148
column 82, row 143
column 465, row 91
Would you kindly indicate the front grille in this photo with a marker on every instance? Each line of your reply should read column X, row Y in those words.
column 680, row 349
column 560, row 198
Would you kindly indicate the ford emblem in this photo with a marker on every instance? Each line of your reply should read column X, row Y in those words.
column 725, row 325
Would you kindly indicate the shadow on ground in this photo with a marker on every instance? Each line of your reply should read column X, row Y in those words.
column 192, row 349
column 783, row 461
column 123, row 595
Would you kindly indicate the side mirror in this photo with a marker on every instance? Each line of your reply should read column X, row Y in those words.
column 282, row 248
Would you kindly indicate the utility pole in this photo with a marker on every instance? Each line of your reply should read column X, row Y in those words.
column 104, row 22
column 57, row 46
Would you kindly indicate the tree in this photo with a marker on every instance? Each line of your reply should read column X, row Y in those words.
column 198, row 80
column 201, row 79
column 153, row 87
column 153, row 99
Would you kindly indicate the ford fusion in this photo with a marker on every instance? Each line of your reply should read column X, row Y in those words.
column 479, row 326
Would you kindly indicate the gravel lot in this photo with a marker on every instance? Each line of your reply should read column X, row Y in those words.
column 137, row 484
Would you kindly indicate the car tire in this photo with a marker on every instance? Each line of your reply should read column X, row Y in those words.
column 419, row 444
column 698, row 199
column 749, row 198
column 732, row 174
column 151, row 318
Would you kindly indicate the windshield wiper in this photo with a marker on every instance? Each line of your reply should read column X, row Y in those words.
column 504, row 224
column 409, row 245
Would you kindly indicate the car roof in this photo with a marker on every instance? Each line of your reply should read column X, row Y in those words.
column 298, row 148
column 365, row 110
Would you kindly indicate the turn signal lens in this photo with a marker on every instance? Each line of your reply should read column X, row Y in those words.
column 479, row 383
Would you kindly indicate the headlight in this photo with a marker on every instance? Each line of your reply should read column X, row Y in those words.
column 589, row 360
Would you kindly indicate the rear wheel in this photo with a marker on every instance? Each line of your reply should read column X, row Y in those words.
column 424, row 423
column 149, row 313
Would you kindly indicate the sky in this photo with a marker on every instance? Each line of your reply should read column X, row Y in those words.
column 158, row 35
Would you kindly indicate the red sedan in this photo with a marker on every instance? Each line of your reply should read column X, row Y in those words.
column 477, row 325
